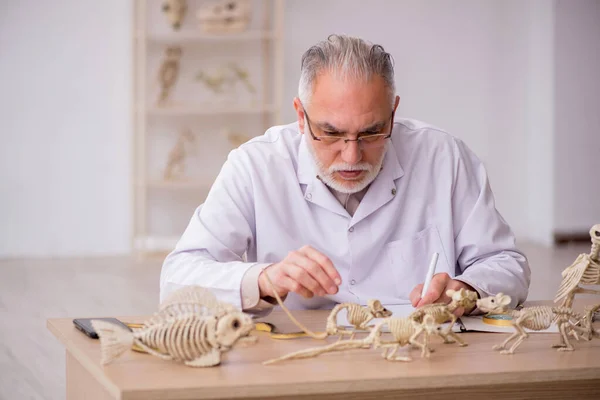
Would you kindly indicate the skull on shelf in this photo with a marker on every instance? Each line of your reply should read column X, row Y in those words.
column 225, row 16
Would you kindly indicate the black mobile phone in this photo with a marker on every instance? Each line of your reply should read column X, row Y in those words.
column 85, row 325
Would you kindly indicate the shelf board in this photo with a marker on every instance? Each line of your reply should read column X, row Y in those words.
column 156, row 244
column 177, row 185
column 210, row 110
column 194, row 37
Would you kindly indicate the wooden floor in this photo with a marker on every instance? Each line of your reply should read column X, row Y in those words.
column 32, row 362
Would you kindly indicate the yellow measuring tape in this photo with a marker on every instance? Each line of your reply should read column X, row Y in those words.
column 497, row 319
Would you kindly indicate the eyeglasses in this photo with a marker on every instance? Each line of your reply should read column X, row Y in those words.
column 336, row 141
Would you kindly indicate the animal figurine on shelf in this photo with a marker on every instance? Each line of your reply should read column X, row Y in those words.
column 225, row 16
column 176, row 161
column 241, row 74
column 235, row 139
column 226, row 76
column 168, row 73
column 584, row 271
column 175, row 11
column 214, row 82
column 193, row 328
column 358, row 316
column 404, row 331
column 443, row 313
column 536, row 318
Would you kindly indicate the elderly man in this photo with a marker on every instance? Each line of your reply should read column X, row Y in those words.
column 348, row 204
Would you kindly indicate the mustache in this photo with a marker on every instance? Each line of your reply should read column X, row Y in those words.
column 348, row 167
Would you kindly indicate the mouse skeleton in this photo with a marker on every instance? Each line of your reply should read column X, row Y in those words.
column 358, row 316
column 537, row 318
column 443, row 313
column 404, row 331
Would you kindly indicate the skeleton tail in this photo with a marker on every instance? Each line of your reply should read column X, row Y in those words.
column 114, row 340
column 289, row 314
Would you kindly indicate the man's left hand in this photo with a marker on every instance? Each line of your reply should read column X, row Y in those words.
column 436, row 293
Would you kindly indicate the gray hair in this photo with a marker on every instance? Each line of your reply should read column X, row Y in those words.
column 345, row 57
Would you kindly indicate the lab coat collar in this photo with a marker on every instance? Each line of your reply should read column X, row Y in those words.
column 381, row 190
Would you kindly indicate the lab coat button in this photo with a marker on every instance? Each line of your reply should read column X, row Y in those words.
column 309, row 196
column 351, row 229
column 353, row 282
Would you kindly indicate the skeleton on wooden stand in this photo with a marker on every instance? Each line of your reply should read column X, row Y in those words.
column 536, row 318
column 443, row 313
column 584, row 271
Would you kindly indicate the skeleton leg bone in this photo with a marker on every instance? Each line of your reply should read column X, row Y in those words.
column 522, row 336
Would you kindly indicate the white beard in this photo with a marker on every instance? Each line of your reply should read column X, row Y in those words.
column 348, row 186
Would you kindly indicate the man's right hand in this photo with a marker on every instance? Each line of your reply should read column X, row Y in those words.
column 305, row 271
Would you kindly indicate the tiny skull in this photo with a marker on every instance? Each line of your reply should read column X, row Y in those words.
column 175, row 11
column 233, row 328
column 494, row 304
column 377, row 309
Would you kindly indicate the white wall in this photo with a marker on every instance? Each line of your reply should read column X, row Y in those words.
column 577, row 156
column 65, row 127
column 491, row 72
column 461, row 67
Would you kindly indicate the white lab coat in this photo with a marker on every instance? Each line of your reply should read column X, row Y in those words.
column 432, row 195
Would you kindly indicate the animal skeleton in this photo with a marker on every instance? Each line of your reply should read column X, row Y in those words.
column 176, row 161
column 584, row 271
column 226, row 74
column 225, row 16
column 191, row 326
column 405, row 331
column 443, row 313
column 535, row 318
column 168, row 73
column 358, row 316
column 175, row 11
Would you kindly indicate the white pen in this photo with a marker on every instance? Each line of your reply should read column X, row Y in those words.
column 430, row 273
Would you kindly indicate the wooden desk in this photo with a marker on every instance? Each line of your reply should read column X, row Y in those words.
column 535, row 371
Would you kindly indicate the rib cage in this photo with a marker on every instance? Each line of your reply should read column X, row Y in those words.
column 536, row 318
column 183, row 338
column 357, row 315
column 572, row 276
column 401, row 329
column 439, row 312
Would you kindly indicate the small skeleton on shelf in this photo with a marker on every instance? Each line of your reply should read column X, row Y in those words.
column 168, row 73
column 235, row 139
column 536, row 318
column 175, row 11
column 584, row 271
column 176, row 162
column 225, row 16
column 191, row 327
column 226, row 75
column 443, row 313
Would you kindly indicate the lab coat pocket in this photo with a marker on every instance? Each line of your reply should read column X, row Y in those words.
column 410, row 258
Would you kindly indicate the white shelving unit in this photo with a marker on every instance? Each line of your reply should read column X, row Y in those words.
column 162, row 208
